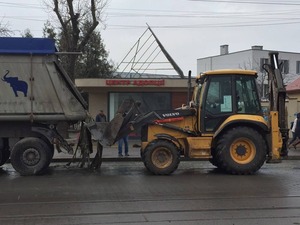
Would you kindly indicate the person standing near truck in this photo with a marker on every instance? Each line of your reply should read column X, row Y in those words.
column 293, row 127
column 101, row 117
column 123, row 140
column 295, row 131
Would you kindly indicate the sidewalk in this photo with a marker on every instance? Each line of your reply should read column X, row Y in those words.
column 111, row 153
column 294, row 153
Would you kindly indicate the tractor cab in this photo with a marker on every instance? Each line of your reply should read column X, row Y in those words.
column 221, row 94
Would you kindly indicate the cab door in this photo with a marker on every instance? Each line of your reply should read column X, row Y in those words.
column 217, row 104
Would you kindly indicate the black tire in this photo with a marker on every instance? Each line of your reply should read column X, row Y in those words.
column 142, row 154
column 241, row 150
column 161, row 157
column 213, row 160
column 31, row 156
column 51, row 147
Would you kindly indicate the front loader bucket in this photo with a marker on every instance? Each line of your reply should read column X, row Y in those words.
column 129, row 118
column 108, row 133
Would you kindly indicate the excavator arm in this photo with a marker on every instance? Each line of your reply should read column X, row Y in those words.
column 277, row 121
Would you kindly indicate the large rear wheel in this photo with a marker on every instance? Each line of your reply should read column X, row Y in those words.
column 214, row 158
column 31, row 156
column 241, row 150
column 161, row 157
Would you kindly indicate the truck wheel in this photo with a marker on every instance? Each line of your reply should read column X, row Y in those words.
column 241, row 150
column 30, row 156
column 161, row 157
column 51, row 147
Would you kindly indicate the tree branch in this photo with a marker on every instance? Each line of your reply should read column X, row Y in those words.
column 62, row 22
column 92, row 28
column 74, row 20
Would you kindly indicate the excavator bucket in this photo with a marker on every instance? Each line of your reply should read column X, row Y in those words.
column 128, row 119
column 107, row 133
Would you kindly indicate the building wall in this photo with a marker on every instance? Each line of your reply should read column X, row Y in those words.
column 98, row 91
column 178, row 99
column 97, row 102
column 293, row 58
column 237, row 60
column 247, row 59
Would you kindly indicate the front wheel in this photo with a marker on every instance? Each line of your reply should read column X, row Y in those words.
column 241, row 150
column 161, row 157
column 31, row 156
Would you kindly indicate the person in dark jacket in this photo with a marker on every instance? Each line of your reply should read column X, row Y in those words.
column 101, row 117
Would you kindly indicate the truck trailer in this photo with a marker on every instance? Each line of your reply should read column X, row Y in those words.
column 36, row 96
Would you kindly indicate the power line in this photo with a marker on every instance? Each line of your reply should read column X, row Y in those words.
column 257, row 14
column 215, row 16
column 21, row 5
column 197, row 26
column 25, row 18
column 285, row 3
column 254, row 18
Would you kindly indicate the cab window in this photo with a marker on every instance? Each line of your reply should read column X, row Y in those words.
column 219, row 96
column 246, row 95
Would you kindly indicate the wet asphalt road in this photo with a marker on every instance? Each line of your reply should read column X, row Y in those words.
column 125, row 193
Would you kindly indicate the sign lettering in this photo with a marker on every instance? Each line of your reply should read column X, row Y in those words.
column 135, row 82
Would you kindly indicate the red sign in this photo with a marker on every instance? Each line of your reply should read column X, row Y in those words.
column 135, row 82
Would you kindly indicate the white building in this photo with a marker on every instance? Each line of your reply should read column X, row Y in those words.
column 253, row 59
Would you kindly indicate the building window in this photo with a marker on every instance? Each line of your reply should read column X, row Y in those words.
column 149, row 101
column 298, row 67
column 262, row 62
column 284, row 66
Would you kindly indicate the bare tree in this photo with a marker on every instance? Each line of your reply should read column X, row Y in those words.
column 262, row 76
column 71, row 14
column 27, row 33
column 4, row 31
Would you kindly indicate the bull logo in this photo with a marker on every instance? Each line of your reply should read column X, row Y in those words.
column 16, row 84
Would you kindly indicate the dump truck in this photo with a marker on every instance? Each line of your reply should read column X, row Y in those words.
column 36, row 97
column 223, row 123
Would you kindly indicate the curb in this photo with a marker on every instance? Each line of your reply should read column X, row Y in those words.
column 138, row 159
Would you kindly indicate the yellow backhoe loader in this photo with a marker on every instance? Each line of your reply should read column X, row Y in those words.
column 223, row 123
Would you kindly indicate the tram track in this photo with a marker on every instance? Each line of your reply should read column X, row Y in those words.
column 165, row 209
column 167, row 216
column 192, row 196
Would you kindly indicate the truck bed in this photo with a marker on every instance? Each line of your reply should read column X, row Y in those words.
column 34, row 87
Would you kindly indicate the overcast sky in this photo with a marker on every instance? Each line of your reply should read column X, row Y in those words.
column 189, row 29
